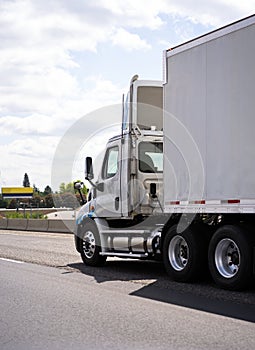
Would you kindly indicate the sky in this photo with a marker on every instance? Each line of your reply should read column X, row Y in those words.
column 62, row 60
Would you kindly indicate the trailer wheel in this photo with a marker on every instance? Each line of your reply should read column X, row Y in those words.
column 230, row 257
column 90, row 245
column 184, row 254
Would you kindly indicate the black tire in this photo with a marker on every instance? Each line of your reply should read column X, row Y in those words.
column 90, row 245
column 185, row 254
column 230, row 257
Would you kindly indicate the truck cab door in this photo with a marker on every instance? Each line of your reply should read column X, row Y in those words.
column 108, row 193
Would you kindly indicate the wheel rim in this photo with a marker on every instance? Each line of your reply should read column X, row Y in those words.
column 227, row 258
column 89, row 244
column 178, row 253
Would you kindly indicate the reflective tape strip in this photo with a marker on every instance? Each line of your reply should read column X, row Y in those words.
column 212, row 202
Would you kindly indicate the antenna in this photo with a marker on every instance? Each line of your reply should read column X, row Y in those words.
column 123, row 110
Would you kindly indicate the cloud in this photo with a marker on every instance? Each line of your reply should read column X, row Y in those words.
column 40, row 42
column 31, row 125
column 33, row 149
column 136, row 14
column 129, row 41
column 51, row 24
column 58, row 116
column 46, row 48
column 30, row 155
column 213, row 12
column 38, row 62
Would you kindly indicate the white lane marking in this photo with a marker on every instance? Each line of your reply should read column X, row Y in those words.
column 37, row 234
column 14, row 261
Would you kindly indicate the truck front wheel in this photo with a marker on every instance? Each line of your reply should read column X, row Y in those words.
column 184, row 254
column 230, row 257
column 90, row 245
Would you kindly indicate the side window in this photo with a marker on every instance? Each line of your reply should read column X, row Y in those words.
column 110, row 167
column 151, row 157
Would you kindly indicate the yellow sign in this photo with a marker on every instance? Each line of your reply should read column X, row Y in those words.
column 17, row 192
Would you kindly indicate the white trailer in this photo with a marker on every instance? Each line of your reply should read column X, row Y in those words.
column 209, row 124
column 184, row 193
column 210, row 90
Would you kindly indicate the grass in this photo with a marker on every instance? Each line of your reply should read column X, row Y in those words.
column 27, row 215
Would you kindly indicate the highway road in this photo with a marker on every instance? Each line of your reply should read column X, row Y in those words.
column 50, row 300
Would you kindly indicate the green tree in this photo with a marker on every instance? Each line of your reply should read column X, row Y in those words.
column 68, row 188
column 47, row 190
column 36, row 189
column 26, row 182
column 3, row 202
column 12, row 204
column 49, row 203
column 69, row 200
column 62, row 187
column 36, row 200
column 57, row 199
column 68, row 197
column 84, row 189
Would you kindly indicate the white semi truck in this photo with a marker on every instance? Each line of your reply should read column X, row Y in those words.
column 178, row 183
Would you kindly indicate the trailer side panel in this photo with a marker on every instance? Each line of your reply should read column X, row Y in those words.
column 210, row 92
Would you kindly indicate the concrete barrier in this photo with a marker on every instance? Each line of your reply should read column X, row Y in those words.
column 37, row 225
column 3, row 224
column 17, row 224
column 40, row 225
column 65, row 226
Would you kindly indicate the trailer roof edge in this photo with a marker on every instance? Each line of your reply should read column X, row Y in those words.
column 234, row 26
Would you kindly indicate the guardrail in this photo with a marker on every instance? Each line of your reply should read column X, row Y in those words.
column 41, row 225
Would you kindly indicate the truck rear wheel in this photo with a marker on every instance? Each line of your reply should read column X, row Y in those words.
column 91, row 246
column 230, row 257
column 184, row 254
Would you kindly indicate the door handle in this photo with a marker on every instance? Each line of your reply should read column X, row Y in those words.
column 117, row 203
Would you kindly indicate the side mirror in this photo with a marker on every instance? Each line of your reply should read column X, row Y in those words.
column 89, row 175
column 78, row 185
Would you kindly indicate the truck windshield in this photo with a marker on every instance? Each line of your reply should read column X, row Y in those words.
column 151, row 157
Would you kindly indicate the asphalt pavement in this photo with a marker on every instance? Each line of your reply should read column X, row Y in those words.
column 50, row 300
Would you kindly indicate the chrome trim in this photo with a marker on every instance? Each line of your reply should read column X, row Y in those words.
column 124, row 255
